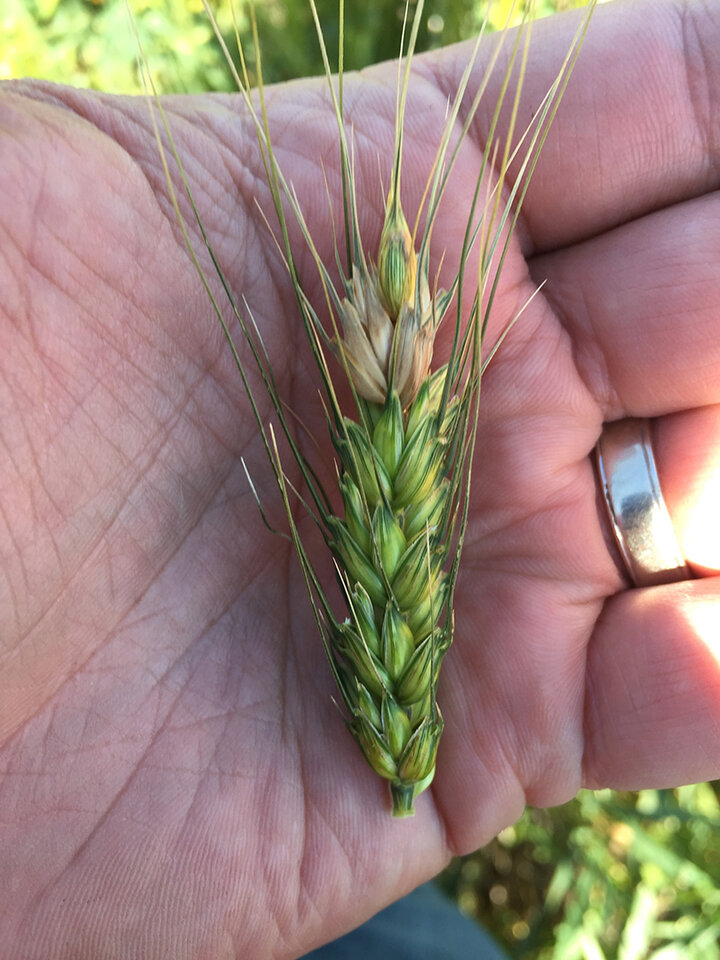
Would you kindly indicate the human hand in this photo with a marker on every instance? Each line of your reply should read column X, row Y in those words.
column 176, row 781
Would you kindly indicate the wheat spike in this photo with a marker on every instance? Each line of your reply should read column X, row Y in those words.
column 392, row 546
column 405, row 451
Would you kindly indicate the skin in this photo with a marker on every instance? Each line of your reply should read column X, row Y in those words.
column 175, row 780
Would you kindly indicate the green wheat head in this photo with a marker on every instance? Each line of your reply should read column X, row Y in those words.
column 404, row 448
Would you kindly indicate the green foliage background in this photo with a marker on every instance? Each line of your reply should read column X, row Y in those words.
column 89, row 43
column 608, row 876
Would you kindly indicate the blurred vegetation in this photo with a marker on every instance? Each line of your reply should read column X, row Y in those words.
column 608, row 876
column 89, row 43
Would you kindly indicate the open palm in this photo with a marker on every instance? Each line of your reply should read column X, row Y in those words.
column 176, row 780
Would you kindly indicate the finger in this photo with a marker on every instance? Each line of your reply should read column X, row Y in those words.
column 640, row 304
column 687, row 451
column 652, row 715
column 635, row 130
column 635, row 127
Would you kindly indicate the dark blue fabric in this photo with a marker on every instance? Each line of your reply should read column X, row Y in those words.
column 425, row 925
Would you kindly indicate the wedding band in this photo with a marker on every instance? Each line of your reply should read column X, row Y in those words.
column 637, row 511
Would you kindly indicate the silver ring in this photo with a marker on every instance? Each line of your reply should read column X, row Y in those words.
column 638, row 515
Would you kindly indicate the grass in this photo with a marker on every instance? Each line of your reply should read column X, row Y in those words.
column 631, row 876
